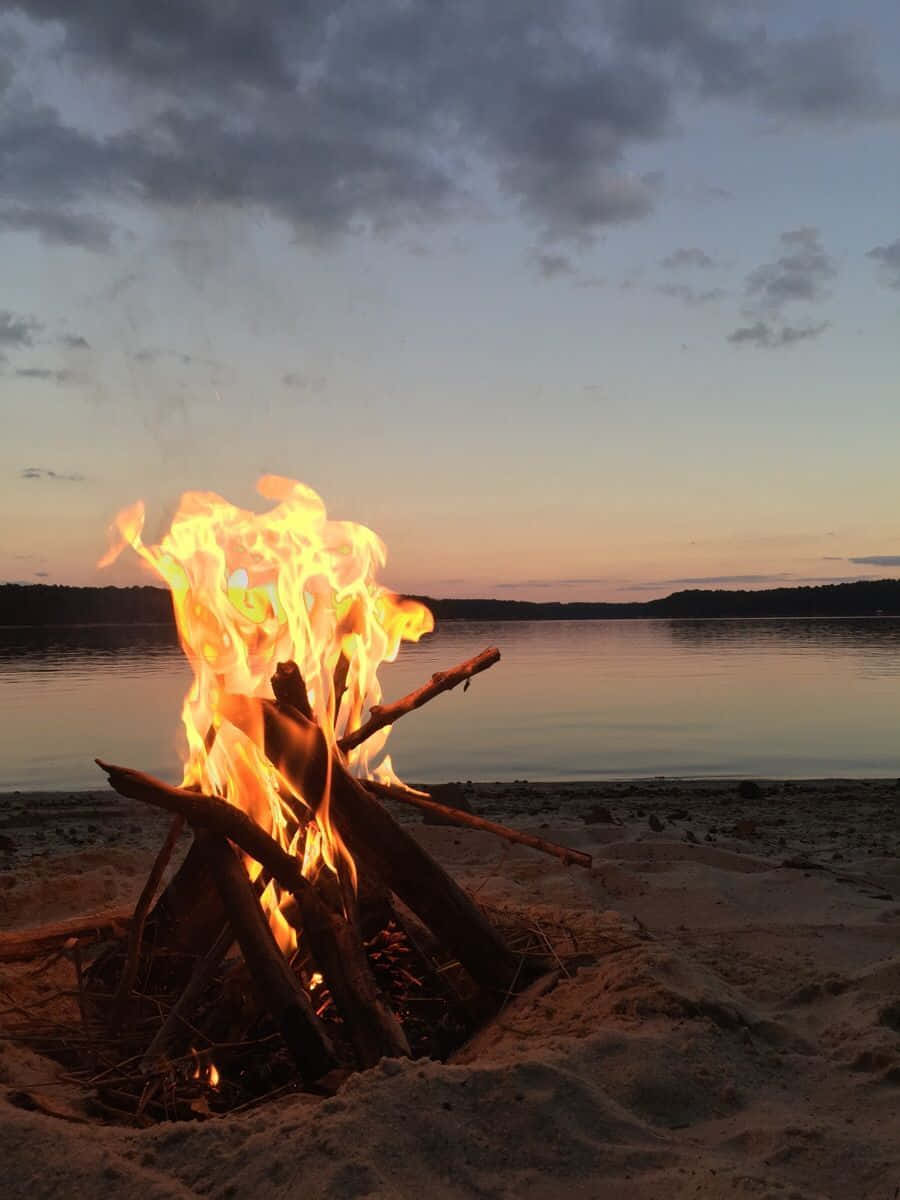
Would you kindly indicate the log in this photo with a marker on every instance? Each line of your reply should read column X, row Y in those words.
column 334, row 944
column 136, row 928
column 26, row 944
column 458, row 817
column 278, row 987
column 298, row 749
column 213, row 814
column 290, row 689
column 442, row 681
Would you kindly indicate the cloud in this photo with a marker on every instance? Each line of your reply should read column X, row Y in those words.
column 552, row 264
column 47, row 473
column 17, row 332
column 688, row 256
column 765, row 337
column 302, row 381
column 552, row 583
column 801, row 272
column 335, row 117
column 691, row 295
column 877, row 560
column 57, row 226
column 50, row 374
column 726, row 52
column 888, row 259
column 73, row 341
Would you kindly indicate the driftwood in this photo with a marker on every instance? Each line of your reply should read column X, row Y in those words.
column 136, row 928
column 299, row 750
column 278, row 987
column 335, row 946
column 442, row 681
column 45, row 939
column 459, row 817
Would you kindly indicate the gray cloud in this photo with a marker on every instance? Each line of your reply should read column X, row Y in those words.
column 337, row 116
column 50, row 374
column 687, row 256
column 73, row 341
column 888, row 259
column 691, row 295
column 46, row 473
column 801, row 272
column 552, row 264
column 765, row 337
column 302, row 381
column 17, row 332
column 552, row 583
column 727, row 52
column 57, row 226
column 877, row 560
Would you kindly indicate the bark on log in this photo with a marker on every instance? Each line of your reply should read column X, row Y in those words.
column 443, row 681
column 279, row 989
column 290, row 688
column 298, row 749
column 458, row 817
column 335, row 946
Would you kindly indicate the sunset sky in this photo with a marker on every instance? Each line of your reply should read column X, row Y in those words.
column 566, row 300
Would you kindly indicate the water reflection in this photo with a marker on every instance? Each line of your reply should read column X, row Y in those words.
column 587, row 699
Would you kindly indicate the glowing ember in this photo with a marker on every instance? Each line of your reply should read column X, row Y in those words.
column 251, row 590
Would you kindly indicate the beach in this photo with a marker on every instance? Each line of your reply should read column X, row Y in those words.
column 731, row 1028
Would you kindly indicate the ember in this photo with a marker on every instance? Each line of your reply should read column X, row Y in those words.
column 354, row 943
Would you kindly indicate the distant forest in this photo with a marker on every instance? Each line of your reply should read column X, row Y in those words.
column 46, row 604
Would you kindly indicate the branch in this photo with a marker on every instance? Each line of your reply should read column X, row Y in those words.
column 210, row 812
column 443, row 681
column 458, row 817
column 136, row 929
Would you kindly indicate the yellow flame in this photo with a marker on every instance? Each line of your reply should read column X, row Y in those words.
column 250, row 590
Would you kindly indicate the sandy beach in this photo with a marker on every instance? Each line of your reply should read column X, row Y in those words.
column 734, row 1029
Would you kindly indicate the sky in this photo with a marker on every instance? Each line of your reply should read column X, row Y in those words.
column 579, row 301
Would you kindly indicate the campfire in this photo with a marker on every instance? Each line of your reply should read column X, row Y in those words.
column 307, row 932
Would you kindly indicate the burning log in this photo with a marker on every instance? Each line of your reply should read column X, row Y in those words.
column 458, row 817
column 299, row 750
column 441, row 681
column 278, row 987
column 374, row 1030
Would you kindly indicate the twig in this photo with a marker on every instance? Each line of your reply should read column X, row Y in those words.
column 443, row 681
column 458, row 817
column 29, row 943
column 136, row 929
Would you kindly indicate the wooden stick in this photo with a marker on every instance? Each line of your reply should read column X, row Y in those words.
column 299, row 750
column 458, row 817
column 176, row 1024
column 136, row 929
column 443, row 681
column 289, row 688
column 214, row 814
column 334, row 944
column 44, row 939
column 278, row 987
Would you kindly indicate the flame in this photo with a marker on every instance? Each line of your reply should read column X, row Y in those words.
column 205, row 1069
column 251, row 590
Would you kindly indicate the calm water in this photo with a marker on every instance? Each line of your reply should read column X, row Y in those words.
column 570, row 700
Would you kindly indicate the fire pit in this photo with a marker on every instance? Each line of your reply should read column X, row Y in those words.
column 306, row 933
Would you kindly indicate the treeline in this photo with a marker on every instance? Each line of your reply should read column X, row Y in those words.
column 46, row 604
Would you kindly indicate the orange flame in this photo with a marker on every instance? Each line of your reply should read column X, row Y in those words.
column 251, row 590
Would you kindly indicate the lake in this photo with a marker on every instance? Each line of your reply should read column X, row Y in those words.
column 569, row 700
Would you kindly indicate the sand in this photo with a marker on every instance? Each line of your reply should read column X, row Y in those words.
column 736, row 1034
